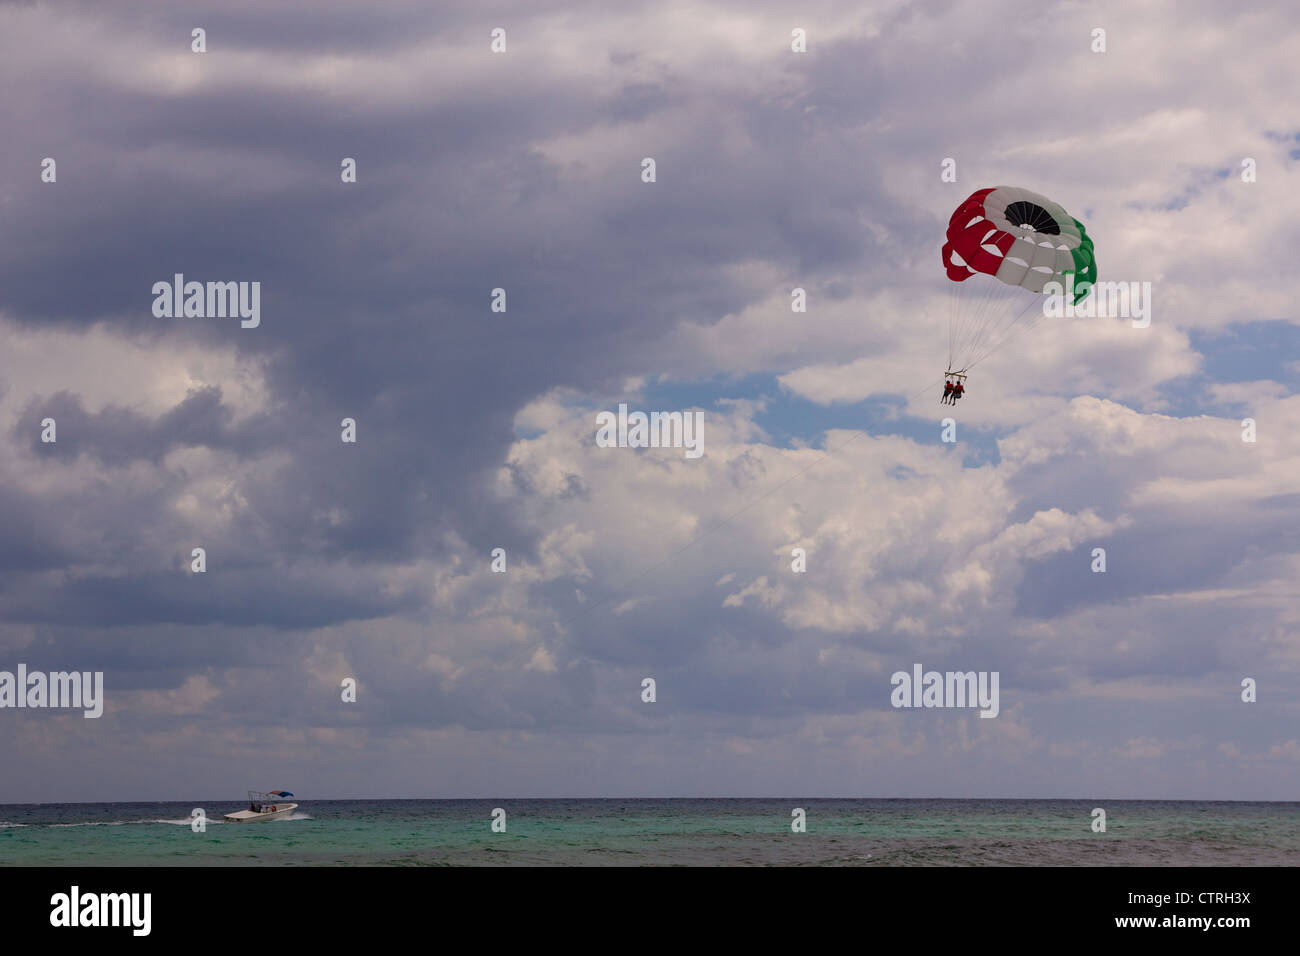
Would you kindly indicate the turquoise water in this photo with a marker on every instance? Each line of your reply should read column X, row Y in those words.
column 659, row 832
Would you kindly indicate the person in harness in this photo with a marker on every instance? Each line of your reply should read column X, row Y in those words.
column 953, row 388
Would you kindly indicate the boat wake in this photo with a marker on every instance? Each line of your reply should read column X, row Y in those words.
column 93, row 823
column 181, row 822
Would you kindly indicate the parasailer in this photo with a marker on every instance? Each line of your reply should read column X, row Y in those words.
column 953, row 388
column 1022, row 245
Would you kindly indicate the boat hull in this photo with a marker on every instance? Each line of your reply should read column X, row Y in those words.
column 249, row 816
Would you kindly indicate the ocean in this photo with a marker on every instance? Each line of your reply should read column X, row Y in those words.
column 658, row 832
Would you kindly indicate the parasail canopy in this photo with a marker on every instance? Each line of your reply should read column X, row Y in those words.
column 1014, row 242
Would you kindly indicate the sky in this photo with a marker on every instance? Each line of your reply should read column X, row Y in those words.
column 1178, row 146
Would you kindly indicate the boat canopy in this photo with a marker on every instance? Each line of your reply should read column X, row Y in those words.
column 270, row 796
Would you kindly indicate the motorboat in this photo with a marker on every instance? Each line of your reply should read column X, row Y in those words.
column 264, row 806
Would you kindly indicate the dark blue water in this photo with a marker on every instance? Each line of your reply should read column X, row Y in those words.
column 656, row 832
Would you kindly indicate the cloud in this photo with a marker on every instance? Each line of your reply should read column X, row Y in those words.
column 475, row 428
